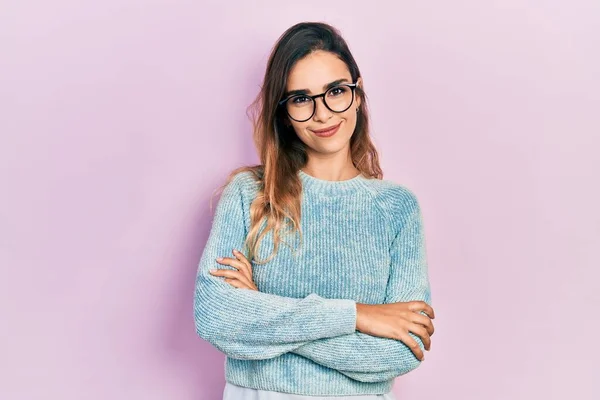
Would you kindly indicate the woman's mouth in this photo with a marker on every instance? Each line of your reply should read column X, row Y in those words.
column 327, row 132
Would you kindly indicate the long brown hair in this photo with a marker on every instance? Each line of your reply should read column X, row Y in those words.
column 281, row 152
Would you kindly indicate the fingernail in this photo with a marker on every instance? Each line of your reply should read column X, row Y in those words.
column 219, row 258
column 213, row 270
column 235, row 251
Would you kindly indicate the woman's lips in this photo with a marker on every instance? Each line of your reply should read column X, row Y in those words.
column 327, row 132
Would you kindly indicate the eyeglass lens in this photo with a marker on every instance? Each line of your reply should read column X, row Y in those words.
column 337, row 99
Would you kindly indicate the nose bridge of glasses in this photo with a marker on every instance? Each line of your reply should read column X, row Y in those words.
column 323, row 105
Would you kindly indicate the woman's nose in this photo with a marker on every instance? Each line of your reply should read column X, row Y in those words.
column 322, row 113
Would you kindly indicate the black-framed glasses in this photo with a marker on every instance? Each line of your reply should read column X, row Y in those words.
column 301, row 107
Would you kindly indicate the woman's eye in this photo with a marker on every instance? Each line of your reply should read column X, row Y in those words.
column 299, row 99
column 337, row 91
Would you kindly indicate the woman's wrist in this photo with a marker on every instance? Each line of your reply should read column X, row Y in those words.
column 361, row 309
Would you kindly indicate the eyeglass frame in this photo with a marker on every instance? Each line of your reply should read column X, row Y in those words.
column 352, row 87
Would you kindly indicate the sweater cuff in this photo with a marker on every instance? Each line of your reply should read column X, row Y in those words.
column 345, row 316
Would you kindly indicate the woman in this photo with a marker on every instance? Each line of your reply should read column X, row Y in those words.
column 344, row 306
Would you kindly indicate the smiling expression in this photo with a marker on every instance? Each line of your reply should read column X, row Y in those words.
column 314, row 74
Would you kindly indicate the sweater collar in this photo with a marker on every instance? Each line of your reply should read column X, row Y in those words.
column 310, row 183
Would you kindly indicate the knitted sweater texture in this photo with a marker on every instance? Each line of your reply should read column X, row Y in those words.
column 363, row 242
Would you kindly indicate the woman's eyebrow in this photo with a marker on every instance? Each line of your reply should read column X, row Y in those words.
column 306, row 91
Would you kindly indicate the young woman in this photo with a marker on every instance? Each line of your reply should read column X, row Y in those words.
column 314, row 278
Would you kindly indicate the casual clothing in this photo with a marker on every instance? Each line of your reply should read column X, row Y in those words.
column 362, row 242
column 235, row 392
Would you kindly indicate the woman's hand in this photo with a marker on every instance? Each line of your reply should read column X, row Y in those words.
column 242, row 278
column 395, row 320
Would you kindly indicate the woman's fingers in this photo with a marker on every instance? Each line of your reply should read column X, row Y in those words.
column 242, row 278
column 421, row 332
column 417, row 306
column 237, row 283
column 412, row 345
column 234, row 275
column 239, row 262
column 240, row 256
column 423, row 320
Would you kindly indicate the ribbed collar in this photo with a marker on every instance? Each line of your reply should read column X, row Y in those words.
column 312, row 184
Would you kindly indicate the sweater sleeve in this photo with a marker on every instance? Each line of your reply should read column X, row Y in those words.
column 367, row 358
column 248, row 324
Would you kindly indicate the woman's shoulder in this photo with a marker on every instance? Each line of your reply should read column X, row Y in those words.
column 244, row 183
column 398, row 202
column 392, row 194
column 243, row 177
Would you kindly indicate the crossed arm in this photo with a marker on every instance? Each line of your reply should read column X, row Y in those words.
column 252, row 325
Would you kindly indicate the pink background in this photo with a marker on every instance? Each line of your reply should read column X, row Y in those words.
column 119, row 118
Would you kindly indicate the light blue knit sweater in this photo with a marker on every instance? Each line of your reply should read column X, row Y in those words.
column 363, row 243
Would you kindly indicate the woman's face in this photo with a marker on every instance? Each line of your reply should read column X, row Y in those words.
column 314, row 73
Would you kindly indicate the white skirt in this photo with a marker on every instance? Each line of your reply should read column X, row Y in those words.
column 234, row 392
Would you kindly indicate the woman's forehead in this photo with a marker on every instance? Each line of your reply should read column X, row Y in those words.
column 315, row 71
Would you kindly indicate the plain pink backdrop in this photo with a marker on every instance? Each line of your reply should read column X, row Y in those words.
column 119, row 118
